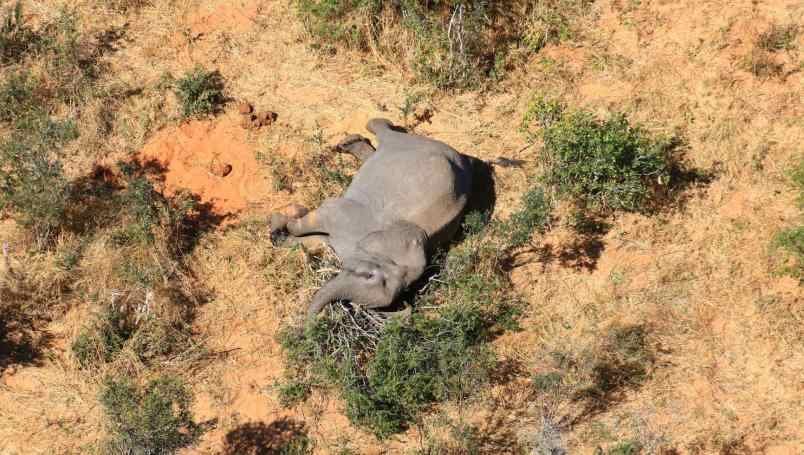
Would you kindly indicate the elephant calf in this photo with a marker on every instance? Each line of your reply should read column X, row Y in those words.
column 406, row 200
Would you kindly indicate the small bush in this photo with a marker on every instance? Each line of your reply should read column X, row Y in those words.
column 292, row 392
column 625, row 448
column 778, row 37
column 534, row 216
column 791, row 240
column 154, row 419
column 200, row 93
column 598, row 374
column 600, row 164
column 389, row 370
column 32, row 183
column 149, row 338
column 449, row 44
column 18, row 97
column 16, row 37
column 553, row 21
column 101, row 340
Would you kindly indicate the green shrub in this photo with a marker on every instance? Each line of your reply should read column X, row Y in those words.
column 553, row 21
column 625, row 448
column 17, row 97
column 455, row 44
column 200, row 93
column 292, row 392
column 16, row 38
column 154, row 419
column 151, row 338
column 600, row 164
column 389, row 370
column 778, row 37
column 791, row 240
column 32, row 182
column 102, row 339
column 534, row 216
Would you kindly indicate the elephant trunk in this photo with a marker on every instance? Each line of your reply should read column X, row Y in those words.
column 336, row 289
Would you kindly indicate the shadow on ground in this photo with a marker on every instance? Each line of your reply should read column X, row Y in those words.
column 256, row 438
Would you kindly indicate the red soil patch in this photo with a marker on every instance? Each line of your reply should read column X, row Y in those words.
column 194, row 154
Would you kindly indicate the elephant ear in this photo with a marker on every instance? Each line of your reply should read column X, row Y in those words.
column 402, row 245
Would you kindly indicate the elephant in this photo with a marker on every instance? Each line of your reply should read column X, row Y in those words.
column 406, row 200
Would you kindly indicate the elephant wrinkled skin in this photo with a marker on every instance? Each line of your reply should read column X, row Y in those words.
column 406, row 199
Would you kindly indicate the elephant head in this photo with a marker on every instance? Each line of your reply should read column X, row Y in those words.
column 384, row 263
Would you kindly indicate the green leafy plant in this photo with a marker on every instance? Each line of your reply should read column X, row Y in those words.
column 152, row 419
column 449, row 44
column 600, row 164
column 101, row 340
column 791, row 240
column 32, row 182
column 200, row 93
column 553, row 21
column 16, row 37
column 390, row 370
column 778, row 37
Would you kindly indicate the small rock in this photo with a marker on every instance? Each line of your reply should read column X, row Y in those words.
column 245, row 108
column 11, row 370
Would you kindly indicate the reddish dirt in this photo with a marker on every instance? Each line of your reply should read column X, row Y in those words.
column 197, row 153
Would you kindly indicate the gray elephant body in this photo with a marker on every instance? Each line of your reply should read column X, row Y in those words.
column 405, row 201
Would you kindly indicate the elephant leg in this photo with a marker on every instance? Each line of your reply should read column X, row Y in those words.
column 279, row 221
column 356, row 145
column 311, row 223
column 312, row 243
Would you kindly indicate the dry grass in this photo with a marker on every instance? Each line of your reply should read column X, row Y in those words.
column 716, row 351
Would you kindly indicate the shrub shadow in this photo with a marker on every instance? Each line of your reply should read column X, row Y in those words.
column 96, row 201
column 257, row 438
column 622, row 364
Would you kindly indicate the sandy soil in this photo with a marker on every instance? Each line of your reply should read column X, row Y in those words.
column 726, row 331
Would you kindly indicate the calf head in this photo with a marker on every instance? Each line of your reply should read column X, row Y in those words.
column 383, row 264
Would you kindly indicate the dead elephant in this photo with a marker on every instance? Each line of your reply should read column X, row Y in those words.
column 406, row 200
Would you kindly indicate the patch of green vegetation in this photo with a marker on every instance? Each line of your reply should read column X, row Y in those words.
column 100, row 341
column 298, row 445
column 200, row 93
column 152, row 419
column 32, row 182
column 450, row 44
column 601, row 165
column 16, row 37
column 778, row 37
column 17, row 97
column 292, row 392
column 534, row 216
column 791, row 240
column 553, row 21
column 388, row 371
column 597, row 374
column 625, row 448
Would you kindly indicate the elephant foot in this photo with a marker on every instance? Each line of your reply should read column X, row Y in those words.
column 279, row 236
column 356, row 145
